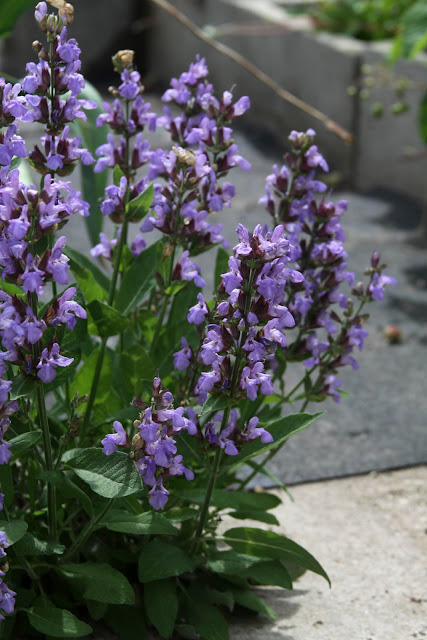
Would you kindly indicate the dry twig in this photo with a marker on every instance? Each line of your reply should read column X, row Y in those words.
column 330, row 124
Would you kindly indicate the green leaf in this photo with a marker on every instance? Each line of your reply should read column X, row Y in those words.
column 93, row 184
column 176, row 287
column 160, row 560
column 268, row 572
column 67, row 488
column 267, row 544
column 98, row 581
column 24, row 442
column 32, row 546
column 261, row 516
column 118, row 174
column 57, row 623
column 137, row 281
column 280, row 429
column 221, row 264
column 277, row 483
column 422, row 118
column 7, row 486
column 134, row 364
column 137, row 208
column 207, row 620
column 124, row 620
column 157, row 594
column 14, row 530
column 97, row 610
column 217, row 403
column 86, row 280
column 108, row 321
column 147, row 523
column 83, row 261
column 231, row 563
column 110, row 476
column 10, row 10
column 23, row 386
column 180, row 515
column 237, row 500
column 82, row 381
column 413, row 27
column 247, row 598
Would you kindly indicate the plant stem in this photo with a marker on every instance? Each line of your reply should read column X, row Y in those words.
column 87, row 531
column 208, row 497
column 101, row 354
column 51, row 489
column 44, row 425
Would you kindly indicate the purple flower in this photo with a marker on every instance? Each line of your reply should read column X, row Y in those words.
column 57, row 264
column 66, row 310
column 198, row 313
column 186, row 269
column 32, row 276
column 105, row 247
column 158, row 495
column 252, row 431
column 379, row 281
column 113, row 440
column 49, row 360
column 182, row 358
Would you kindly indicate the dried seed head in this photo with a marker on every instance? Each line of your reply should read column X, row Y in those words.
column 65, row 10
column 126, row 57
column 185, row 156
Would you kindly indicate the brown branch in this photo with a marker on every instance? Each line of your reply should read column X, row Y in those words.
column 330, row 124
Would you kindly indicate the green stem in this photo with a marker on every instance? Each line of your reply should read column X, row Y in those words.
column 208, row 497
column 87, row 531
column 51, row 489
column 101, row 354
column 44, row 425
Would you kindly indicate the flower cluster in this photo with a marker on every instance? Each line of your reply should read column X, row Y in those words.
column 192, row 171
column 52, row 87
column 314, row 228
column 153, row 446
column 7, row 596
column 204, row 153
column 230, row 437
column 21, row 329
column 248, row 319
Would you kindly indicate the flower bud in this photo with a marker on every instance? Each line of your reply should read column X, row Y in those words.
column 375, row 259
column 52, row 24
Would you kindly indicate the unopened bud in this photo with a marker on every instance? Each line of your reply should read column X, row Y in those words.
column 51, row 24
column 375, row 259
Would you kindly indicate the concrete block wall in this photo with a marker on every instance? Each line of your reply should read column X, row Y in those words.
column 316, row 67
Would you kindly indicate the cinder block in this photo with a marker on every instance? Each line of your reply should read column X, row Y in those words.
column 390, row 151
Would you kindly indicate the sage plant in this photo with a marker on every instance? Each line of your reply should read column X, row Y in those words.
column 131, row 401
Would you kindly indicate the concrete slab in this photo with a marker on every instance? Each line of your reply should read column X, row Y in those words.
column 369, row 534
